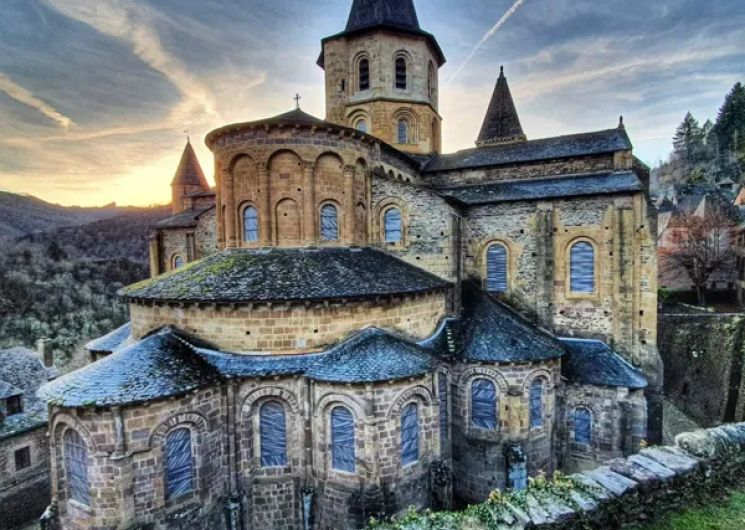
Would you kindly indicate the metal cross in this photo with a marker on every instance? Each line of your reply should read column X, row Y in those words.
column 297, row 99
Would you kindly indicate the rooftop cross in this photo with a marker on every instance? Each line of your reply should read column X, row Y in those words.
column 297, row 99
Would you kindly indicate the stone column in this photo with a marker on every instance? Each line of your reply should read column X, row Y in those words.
column 265, row 214
column 348, row 216
column 219, row 202
column 229, row 218
column 310, row 213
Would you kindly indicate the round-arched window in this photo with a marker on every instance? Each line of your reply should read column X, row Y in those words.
column 403, row 131
column 178, row 262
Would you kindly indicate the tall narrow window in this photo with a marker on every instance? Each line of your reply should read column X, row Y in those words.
column 329, row 223
column 409, row 434
column 496, row 269
column 403, row 131
column 342, row 440
column 483, row 404
column 582, row 426
column 273, row 434
column 582, row 268
column 442, row 390
column 364, row 74
column 392, row 221
column 76, row 467
column 431, row 81
column 178, row 262
column 401, row 73
column 23, row 458
column 179, row 464
column 250, row 225
column 362, row 125
column 536, row 404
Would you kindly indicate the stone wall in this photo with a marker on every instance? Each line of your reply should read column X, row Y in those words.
column 24, row 494
column 618, row 495
column 703, row 356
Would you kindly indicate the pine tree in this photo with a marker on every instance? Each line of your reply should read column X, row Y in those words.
column 730, row 126
column 688, row 140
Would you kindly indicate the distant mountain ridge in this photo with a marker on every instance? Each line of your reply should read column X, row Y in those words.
column 21, row 215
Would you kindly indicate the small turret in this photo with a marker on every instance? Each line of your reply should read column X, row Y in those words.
column 501, row 124
column 188, row 180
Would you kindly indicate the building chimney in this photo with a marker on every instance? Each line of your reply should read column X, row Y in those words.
column 44, row 349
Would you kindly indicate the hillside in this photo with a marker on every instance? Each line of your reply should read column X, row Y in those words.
column 22, row 214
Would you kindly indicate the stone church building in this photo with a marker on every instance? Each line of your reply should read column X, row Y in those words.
column 352, row 322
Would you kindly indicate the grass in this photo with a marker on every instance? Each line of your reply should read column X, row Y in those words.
column 718, row 514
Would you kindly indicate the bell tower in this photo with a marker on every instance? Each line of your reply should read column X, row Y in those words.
column 382, row 76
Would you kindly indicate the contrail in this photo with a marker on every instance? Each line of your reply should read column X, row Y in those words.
column 25, row 96
column 489, row 34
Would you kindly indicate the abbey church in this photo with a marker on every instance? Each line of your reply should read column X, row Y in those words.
column 352, row 322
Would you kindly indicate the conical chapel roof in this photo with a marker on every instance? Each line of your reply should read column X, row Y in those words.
column 189, row 172
column 501, row 124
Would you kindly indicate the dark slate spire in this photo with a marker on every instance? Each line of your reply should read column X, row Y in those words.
column 501, row 124
column 189, row 172
column 392, row 13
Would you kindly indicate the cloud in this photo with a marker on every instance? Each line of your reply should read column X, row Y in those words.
column 489, row 34
column 26, row 97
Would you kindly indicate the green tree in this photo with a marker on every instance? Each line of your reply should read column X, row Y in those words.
column 688, row 140
column 730, row 125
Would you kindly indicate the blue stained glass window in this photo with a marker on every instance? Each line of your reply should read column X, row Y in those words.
column 496, row 269
column 582, row 268
column 76, row 467
column 442, row 383
column 178, row 262
column 536, row 404
column 403, row 132
column 409, row 434
column 329, row 223
column 250, row 225
column 392, row 220
column 179, row 464
column 582, row 426
column 483, row 404
column 342, row 440
column 273, row 434
column 362, row 126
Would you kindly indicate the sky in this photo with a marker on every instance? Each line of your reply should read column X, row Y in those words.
column 95, row 95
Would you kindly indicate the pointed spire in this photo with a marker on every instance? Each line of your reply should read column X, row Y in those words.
column 370, row 13
column 189, row 172
column 501, row 124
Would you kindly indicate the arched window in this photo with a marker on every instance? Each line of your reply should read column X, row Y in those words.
column 409, row 434
column 178, row 262
column 536, row 404
column 496, row 268
column 401, row 73
column 392, row 222
column 329, row 223
column 582, row 268
column 361, row 125
column 582, row 426
column 483, row 404
column 342, row 440
column 76, row 467
column 403, row 131
column 442, row 390
column 364, row 74
column 250, row 225
column 273, row 434
column 431, row 81
column 179, row 464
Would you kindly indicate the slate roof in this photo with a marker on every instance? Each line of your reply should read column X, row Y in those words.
column 189, row 171
column 21, row 370
column 593, row 362
column 157, row 367
column 242, row 275
column 494, row 333
column 370, row 356
column 185, row 219
column 605, row 183
column 592, row 143
column 113, row 341
column 501, row 123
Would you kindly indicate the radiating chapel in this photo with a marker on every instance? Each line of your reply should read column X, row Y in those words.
column 352, row 322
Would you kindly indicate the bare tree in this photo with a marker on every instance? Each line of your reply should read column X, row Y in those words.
column 702, row 245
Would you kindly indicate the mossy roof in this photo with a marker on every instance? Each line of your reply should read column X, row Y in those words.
column 243, row 276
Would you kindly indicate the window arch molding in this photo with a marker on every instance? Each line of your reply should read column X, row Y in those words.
column 359, row 115
column 569, row 250
column 381, row 208
column 511, row 258
column 242, row 211
column 178, row 261
column 358, row 71
column 412, row 119
column 250, row 428
column 402, row 77
column 60, row 424
column 422, row 395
